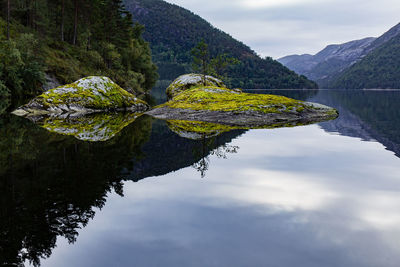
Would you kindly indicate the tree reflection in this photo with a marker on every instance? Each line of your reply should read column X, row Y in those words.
column 207, row 150
column 52, row 184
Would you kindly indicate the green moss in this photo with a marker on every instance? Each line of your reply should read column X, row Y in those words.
column 98, row 127
column 223, row 99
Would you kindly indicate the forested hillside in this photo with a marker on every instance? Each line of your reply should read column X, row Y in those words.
column 69, row 39
column 380, row 69
column 173, row 31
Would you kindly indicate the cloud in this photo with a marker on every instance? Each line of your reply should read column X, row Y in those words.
column 278, row 28
column 255, row 4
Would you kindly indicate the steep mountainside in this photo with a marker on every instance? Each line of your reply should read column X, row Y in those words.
column 328, row 64
column 173, row 31
column 380, row 69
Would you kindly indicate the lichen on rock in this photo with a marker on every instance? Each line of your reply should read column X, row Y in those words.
column 87, row 95
column 188, row 81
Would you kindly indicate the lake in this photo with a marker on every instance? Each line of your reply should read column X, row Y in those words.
column 326, row 194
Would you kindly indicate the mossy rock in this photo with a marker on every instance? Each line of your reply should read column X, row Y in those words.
column 234, row 108
column 87, row 95
column 187, row 81
column 93, row 127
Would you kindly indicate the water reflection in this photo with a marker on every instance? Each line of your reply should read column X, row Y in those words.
column 93, row 127
column 369, row 115
column 281, row 197
column 366, row 114
column 277, row 202
column 51, row 184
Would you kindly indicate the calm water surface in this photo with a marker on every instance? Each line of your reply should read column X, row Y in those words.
column 318, row 195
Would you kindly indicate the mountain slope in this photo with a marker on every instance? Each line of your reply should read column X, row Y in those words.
column 173, row 31
column 334, row 61
column 380, row 69
column 331, row 60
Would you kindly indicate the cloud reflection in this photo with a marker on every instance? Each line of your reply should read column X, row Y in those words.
column 290, row 197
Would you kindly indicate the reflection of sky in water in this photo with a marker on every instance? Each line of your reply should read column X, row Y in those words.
column 289, row 197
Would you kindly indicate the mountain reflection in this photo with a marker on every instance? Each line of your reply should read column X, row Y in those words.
column 51, row 184
column 369, row 115
column 365, row 114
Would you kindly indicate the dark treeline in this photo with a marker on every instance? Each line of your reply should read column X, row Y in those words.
column 70, row 39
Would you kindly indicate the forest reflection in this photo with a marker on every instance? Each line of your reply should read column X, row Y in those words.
column 51, row 184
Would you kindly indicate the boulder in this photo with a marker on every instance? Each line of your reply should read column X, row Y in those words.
column 188, row 81
column 88, row 95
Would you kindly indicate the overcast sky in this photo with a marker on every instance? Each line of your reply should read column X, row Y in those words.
column 283, row 27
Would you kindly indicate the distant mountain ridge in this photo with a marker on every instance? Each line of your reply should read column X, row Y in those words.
column 327, row 65
column 173, row 31
column 329, row 61
column 380, row 69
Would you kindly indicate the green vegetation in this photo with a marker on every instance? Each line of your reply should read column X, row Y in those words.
column 173, row 32
column 71, row 39
column 379, row 69
column 223, row 99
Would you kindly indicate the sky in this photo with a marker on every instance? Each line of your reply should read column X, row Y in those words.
column 278, row 28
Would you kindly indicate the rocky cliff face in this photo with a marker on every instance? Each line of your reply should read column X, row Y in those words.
column 334, row 59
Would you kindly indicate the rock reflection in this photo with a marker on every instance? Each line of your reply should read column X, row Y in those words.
column 197, row 130
column 93, row 127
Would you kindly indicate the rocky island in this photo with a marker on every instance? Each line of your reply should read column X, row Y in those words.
column 191, row 100
column 199, row 106
column 88, row 95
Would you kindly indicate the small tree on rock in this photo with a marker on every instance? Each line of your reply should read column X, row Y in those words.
column 201, row 59
column 211, row 66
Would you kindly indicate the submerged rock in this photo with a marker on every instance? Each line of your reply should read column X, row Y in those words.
column 188, row 81
column 94, row 127
column 234, row 108
column 87, row 95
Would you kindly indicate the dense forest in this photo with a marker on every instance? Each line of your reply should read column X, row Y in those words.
column 174, row 31
column 69, row 39
column 380, row 69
